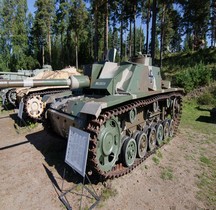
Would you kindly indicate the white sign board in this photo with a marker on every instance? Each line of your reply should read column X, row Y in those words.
column 77, row 150
column 21, row 107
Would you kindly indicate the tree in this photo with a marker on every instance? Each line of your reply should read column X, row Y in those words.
column 195, row 19
column 60, row 28
column 77, row 18
column 43, row 27
column 213, row 23
column 14, row 36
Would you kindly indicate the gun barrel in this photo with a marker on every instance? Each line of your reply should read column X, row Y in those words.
column 75, row 81
column 16, row 73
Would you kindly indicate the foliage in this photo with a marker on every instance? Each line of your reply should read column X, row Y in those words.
column 193, row 77
column 61, row 27
column 208, row 97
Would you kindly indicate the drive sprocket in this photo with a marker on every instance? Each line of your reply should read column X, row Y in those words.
column 34, row 106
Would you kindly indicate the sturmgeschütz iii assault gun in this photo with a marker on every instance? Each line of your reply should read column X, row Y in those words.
column 8, row 95
column 32, row 94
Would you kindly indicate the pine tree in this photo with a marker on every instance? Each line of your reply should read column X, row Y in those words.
column 196, row 17
column 14, row 36
column 78, row 17
column 42, row 29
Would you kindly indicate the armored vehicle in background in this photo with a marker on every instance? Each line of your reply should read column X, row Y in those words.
column 23, row 74
column 127, row 109
column 8, row 95
column 32, row 95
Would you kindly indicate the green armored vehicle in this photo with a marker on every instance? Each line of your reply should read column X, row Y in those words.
column 127, row 109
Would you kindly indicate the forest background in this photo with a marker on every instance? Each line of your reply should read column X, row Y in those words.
column 77, row 32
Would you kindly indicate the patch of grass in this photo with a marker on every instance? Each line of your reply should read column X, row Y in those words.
column 207, row 186
column 196, row 118
column 207, row 181
column 190, row 157
column 167, row 174
column 32, row 125
column 156, row 160
column 108, row 193
column 159, row 154
column 205, row 160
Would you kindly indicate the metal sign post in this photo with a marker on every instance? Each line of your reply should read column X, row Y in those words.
column 20, row 115
column 76, row 158
column 21, row 107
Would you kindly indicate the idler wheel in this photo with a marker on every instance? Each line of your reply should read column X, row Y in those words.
column 159, row 133
column 129, row 151
column 109, row 144
column 142, row 144
column 34, row 106
column 152, row 140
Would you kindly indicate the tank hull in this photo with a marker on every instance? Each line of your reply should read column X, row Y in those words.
column 107, row 161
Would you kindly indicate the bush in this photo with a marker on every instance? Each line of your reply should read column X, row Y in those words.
column 193, row 77
column 208, row 97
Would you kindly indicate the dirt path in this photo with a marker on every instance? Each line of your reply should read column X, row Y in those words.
column 32, row 165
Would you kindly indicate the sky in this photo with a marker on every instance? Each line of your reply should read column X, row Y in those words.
column 31, row 5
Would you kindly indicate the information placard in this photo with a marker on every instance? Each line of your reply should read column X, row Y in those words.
column 77, row 150
column 21, row 107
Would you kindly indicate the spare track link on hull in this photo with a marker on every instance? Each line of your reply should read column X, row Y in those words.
column 94, row 128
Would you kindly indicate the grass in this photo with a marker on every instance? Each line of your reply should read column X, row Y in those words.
column 156, row 158
column 196, row 118
column 167, row 174
column 108, row 193
column 205, row 160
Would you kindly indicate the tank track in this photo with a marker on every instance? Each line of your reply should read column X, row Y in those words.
column 39, row 93
column 94, row 128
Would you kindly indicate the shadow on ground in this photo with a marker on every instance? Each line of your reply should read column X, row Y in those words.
column 53, row 148
column 206, row 119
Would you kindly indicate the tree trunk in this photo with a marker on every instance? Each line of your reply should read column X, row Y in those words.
column 213, row 38
column 153, row 30
column 50, row 48
column 130, row 41
column 76, row 40
column 140, row 40
column 162, row 34
column 134, row 41
column 96, row 34
column 121, row 38
column 147, row 27
column 43, row 59
column 106, row 30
